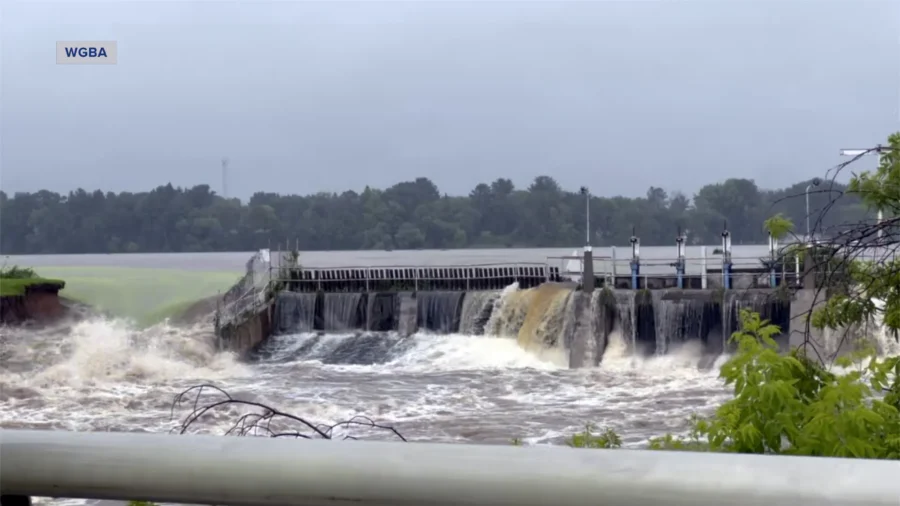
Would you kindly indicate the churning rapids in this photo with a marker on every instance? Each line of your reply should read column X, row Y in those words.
column 104, row 375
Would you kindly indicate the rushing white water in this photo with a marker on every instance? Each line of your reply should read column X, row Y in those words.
column 886, row 343
column 102, row 374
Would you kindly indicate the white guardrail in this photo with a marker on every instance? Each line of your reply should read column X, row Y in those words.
column 255, row 471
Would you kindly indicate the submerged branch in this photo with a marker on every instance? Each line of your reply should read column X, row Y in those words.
column 264, row 420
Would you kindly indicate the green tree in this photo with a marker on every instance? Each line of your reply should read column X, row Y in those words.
column 869, row 252
column 790, row 405
column 778, row 226
column 495, row 214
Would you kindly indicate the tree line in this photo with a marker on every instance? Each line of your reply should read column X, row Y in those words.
column 408, row 215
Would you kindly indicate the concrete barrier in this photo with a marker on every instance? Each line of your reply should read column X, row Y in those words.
column 243, row 334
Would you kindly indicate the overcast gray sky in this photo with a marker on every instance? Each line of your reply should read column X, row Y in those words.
column 308, row 96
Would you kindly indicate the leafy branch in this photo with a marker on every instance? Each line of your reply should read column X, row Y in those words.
column 852, row 264
column 793, row 404
column 790, row 405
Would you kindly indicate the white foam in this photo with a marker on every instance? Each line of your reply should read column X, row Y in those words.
column 467, row 353
column 98, row 369
column 887, row 344
column 110, row 351
column 105, row 374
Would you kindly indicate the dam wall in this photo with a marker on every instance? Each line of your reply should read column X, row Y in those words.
column 548, row 316
column 242, row 335
column 649, row 313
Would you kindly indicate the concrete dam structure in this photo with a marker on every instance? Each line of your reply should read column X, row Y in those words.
column 549, row 316
column 578, row 312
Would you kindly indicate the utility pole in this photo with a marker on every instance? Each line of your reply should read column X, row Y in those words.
column 877, row 150
column 815, row 182
column 225, row 178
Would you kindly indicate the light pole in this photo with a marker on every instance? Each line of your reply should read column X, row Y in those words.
column 587, row 264
column 815, row 182
column 587, row 217
column 877, row 150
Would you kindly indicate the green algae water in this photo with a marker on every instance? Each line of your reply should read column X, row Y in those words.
column 143, row 295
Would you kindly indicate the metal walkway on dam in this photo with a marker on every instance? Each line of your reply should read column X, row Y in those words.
column 400, row 279
column 721, row 269
column 527, row 275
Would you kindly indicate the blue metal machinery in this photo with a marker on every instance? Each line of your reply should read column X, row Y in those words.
column 726, row 259
column 679, row 259
column 635, row 260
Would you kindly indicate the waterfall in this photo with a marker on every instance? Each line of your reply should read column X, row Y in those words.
column 439, row 311
column 476, row 312
column 767, row 304
column 408, row 314
column 887, row 345
column 626, row 317
column 343, row 311
column 685, row 316
column 381, row 313
column 544, row 317
column 667, row 319
column 551, row 320
column 510, row 310
column 605, row 313
column 295, row 312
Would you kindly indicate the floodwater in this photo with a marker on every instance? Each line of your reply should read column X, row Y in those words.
column 104, row 374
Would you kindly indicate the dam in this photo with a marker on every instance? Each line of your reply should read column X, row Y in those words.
column 650, row 322
column 544, row 306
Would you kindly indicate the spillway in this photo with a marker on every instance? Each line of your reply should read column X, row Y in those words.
column 439, row 311
column 549, row 317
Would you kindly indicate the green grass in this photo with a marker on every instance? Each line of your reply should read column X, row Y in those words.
column 146, row 296
column 10, row 287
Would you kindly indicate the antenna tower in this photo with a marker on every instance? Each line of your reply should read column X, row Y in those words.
column 225, row 178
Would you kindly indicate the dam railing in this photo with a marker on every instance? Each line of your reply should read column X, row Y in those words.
column 266, row 268
column 203, row 469
column 414, row 278
column 398, row 278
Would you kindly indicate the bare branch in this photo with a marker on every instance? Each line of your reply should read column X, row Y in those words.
column 261, row 420
column 842, row 245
